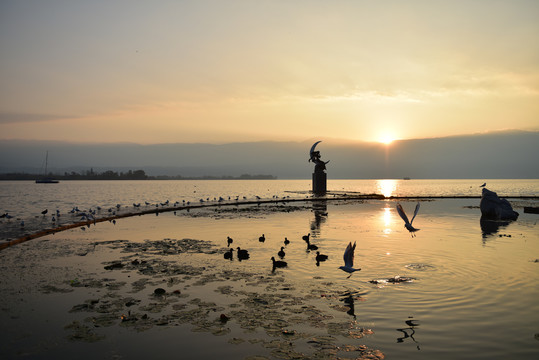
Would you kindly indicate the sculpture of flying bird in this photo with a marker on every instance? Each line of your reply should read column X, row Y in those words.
column 349, row 259
column 408, row 224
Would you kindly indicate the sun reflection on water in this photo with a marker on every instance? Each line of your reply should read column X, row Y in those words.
column 387, row 219
column 386, row 187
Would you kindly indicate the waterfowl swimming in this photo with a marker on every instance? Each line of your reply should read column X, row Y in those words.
column 228, row 241
column 242, row 254
column 278, row 263
column 311, row 246
column 306, row 237
column 286, row 241
column 262, row 238
column 281, row 252
column 320, row 257
column 45, row 211
column 349, row 259
column 228, row 254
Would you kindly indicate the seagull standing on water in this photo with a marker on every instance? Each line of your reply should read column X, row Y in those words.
column 349, row 259
column 408, row 224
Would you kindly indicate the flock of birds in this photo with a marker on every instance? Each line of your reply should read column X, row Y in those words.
column 91, row 214
column 243, row 254
column 348, row 255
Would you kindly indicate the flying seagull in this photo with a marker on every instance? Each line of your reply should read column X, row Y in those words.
column 349, row 259
column 408, row 224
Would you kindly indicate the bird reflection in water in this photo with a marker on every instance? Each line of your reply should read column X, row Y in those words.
column 348, row 298
column 409, row 332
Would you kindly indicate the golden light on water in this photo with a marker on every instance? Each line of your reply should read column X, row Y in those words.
column 387, row 219
column 386, row 187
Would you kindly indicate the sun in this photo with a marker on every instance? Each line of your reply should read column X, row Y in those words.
column 386, row 139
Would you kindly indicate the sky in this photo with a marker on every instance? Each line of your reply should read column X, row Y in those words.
column 225, row 71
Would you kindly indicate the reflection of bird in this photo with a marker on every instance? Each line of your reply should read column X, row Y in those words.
column 408, row 224
column 278, row 263
column 281, row 252
column 349, row 259
column 228, row 254
column 484, row 184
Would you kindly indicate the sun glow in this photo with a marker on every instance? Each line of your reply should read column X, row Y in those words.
column 386, row 139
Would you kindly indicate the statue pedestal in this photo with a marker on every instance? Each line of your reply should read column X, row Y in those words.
column 319, row 182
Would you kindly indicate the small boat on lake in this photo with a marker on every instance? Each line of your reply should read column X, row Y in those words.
column 46, row 179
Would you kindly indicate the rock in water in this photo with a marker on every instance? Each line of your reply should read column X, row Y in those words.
column 494, row 208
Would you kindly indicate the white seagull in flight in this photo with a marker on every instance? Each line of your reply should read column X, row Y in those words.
column 408, row 224
column 349, row 259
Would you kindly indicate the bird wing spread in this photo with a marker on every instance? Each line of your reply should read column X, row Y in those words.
column 349, row 255
column 402, row 214
column 415, row 213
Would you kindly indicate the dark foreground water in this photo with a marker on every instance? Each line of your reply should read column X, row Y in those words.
column 472, row 290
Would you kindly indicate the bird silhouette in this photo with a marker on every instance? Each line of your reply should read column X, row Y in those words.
column 306, row 237
column 281, row 252
column 320, row 257
column 408, row 224
column 286, row 241
column 242, row 254
column 484, row 184
column 228, row 241
column 310, row 246
column 278, row 263
column 45, row 211
column 349, row 259
column 262, row 238
column 228, row 254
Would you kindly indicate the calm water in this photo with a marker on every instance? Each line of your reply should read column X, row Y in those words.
column 475, row 290
column 25, row 200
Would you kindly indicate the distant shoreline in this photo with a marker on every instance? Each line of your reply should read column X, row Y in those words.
column 130, row 175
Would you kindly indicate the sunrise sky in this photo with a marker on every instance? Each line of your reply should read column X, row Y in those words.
column 222, row 71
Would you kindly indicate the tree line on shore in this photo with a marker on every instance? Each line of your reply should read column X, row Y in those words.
column 129, row 175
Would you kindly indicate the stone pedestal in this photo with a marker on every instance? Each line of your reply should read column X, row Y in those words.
column 319, row 182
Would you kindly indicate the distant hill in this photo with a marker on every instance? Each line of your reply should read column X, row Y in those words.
column 493, row 155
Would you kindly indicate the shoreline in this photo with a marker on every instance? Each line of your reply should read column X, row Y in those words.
column 315, row 198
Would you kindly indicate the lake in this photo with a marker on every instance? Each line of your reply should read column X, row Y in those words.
column 471, row 290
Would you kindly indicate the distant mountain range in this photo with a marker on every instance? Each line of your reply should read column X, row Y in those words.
column 512, row 154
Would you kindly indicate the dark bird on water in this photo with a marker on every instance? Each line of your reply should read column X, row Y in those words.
column 306, row 237
column 286, row 241
column 311, row 246
column 281, row 252
column 228, row 241
column 45, row 211
column 228, row 254
column 278, row 263
column 243, row 254
column 320, row 257
column 262, row 238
